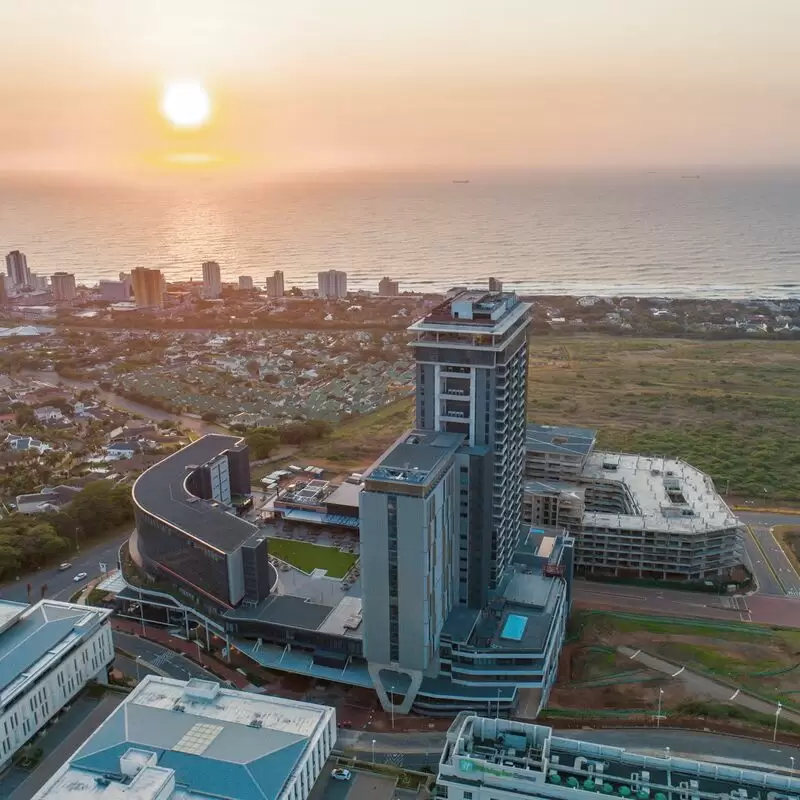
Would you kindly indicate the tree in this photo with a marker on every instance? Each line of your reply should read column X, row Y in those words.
column 25, row 416
column 253, row 367
column 262, row 442
column 210, row 416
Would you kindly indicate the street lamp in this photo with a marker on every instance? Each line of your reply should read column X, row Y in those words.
column 777, row 714
column 373, row 752
column 791, row 758
column 658, row 716
column 136, row 661
column 392, row 704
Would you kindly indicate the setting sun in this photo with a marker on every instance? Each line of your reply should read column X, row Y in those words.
column 185, row 105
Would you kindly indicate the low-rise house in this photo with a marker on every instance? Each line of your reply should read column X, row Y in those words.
column 48, row 414
column 124, row 449
column 25, row 444
column 49, row 499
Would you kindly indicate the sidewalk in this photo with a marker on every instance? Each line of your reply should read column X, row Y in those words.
column 186, row 649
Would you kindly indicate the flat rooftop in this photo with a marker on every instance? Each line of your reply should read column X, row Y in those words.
column 511, row 754
column 346, row 494
column 161, row 491
column 560, row 439
column 665, row 494
column 33, row 638
column 473, row 311
column 416, row 458
column 206, row 740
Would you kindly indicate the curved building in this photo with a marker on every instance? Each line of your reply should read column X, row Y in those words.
column 188, row 529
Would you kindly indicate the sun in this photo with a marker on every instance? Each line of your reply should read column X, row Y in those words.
column 186, row 104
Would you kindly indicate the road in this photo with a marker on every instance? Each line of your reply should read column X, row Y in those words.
column 60, row 585
column 417, row 750
column 674, row 602
column 764, row 573
column 783, row 576
column 164, row 661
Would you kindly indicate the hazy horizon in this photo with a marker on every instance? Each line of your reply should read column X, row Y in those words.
column 308, row 88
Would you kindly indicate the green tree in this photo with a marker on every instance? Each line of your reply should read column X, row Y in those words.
column 25, row 416
column 262, row 442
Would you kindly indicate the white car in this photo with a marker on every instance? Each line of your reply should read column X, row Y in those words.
column 80, row 576
column 341, row 774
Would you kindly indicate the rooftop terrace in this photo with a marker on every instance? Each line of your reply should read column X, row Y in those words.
column 161, row 492
column 473, row 311
column 416, row 458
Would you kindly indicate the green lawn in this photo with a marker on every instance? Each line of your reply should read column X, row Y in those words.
column 309, row 557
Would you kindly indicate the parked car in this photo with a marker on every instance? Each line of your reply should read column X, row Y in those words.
column 341, row 774
column 65, row 565
column 79, row 577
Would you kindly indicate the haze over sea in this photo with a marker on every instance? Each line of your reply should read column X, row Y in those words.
column 724, row 234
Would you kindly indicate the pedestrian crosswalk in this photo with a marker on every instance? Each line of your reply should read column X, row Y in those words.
column 395, row 759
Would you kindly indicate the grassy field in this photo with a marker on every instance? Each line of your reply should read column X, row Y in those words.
column 357, row 442
column 730, row 408
column 758, row 659
column 309, row 557
column 789, row 539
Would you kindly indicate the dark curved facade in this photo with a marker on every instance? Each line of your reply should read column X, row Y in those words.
column 188, row 529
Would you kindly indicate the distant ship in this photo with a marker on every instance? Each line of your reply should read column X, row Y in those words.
column 461, row 181
column 693, row 177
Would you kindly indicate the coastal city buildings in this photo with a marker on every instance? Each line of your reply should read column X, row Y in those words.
column 190, row 740
column 63, row 286
column 148, row 287
column 498, row 759
column 48, row 652
column 115, row 291
column 212, row 280
column 19, row 275
column 332, row 284
column 459, row 605
column 275, row 287
column 631, row 515
column 495, row 285
column 388, row 288
column 245, row 283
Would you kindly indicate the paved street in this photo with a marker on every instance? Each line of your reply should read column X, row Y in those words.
column 764, row 573
column 60, row 585
column 59, row 742
column 163, row 661
column 782, row 577
column 693, row 744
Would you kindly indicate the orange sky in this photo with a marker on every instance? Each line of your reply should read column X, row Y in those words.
column 313, row 85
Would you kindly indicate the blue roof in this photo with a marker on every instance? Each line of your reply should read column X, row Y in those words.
column 209, row 743
column 42, row 629
column 318, row 518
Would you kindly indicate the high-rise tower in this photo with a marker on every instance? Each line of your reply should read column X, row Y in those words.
column 212, row 280
column 17, row 268
column 472, row 370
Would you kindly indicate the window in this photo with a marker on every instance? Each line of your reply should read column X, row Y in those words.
column 467, row 795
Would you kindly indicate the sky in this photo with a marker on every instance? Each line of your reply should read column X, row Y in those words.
column 315, row 86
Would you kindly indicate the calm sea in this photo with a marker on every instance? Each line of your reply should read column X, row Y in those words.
column 722, row 234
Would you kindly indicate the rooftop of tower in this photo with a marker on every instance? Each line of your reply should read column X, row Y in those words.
column 474, row 310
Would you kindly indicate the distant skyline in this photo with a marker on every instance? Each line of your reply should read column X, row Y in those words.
column 313, row 87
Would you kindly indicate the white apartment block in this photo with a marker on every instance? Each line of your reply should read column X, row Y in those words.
column 48, row 653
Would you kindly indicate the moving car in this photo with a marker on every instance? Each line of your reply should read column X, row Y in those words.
column 341, row 774
column 65, row 565
column 79, row 577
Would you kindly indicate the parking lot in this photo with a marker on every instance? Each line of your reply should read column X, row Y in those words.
column 362, row 786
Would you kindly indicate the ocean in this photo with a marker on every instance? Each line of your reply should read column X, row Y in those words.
column 722, row 234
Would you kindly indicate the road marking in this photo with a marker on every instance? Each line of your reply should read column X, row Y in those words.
column 675, row 674
column 734, row 695
column 635, row 654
